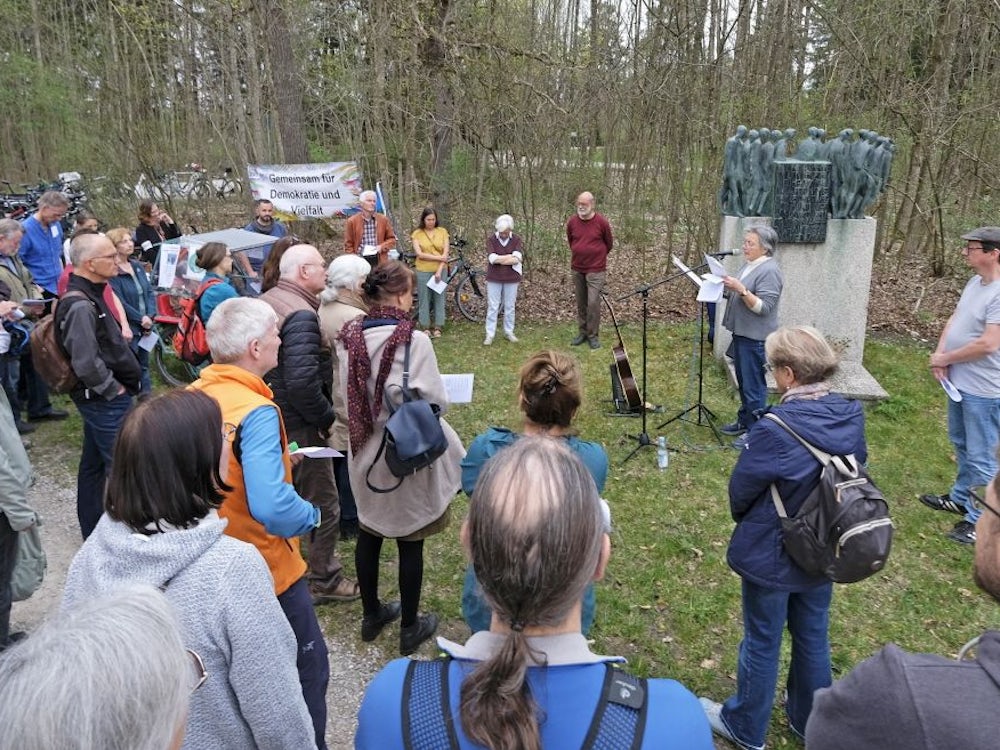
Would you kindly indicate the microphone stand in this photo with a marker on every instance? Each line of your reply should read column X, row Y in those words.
column 643, row 436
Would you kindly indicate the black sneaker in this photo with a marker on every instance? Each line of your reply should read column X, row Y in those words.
column 733, row 429
column 26, row 428
column 595, row 343
column 372, row 625
column 942, row 502
column 53, row 415
column 580, row 339
column 413, row 635
column 963, row 533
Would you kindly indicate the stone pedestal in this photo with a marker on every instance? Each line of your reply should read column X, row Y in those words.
column 827, row 286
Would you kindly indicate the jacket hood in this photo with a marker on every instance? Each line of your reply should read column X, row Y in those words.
column 114, row 554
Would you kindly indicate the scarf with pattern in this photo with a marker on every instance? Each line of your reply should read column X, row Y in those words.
column 363, row 411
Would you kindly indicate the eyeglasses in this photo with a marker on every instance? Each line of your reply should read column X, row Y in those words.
column 970, row 248
column 228, row 430
column 768, row 367
column 977, row 494
column 199, row 669
column 113, row 256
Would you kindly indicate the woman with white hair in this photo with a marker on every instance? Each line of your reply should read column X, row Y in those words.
column 504, row 251
column 340, row 302
column 111, row 672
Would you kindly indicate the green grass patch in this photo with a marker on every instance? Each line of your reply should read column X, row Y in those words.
column 670, row 603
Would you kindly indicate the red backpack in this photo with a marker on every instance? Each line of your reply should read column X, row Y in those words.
column 190, row 341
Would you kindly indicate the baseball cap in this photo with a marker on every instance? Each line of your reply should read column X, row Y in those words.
column 984, row 234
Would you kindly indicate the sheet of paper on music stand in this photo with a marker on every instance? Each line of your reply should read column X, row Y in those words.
column 685, row 270
column 459, row 387
column 368, row 250
column 437, row 285
column 710, row 289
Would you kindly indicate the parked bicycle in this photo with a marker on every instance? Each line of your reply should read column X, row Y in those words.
column 172, row 369
column 228, row 184
column 467, row 282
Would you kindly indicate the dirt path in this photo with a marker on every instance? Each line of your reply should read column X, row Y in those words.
column 54, row 497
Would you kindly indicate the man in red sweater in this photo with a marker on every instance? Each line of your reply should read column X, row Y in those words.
column 589, row 237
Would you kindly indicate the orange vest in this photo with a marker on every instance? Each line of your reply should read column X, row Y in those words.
column 238, row 392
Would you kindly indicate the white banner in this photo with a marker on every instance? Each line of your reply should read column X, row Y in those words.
column 307, row 191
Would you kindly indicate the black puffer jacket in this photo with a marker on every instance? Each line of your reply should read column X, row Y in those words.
column 303, row 380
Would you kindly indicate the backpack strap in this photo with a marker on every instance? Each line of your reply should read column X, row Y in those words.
column 620, row 717
column 427, row 719
column 847, row 465
column 381, row 448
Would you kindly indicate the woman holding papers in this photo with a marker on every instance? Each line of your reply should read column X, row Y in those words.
column 504, row 252
column 430, row 245
column 752, row 298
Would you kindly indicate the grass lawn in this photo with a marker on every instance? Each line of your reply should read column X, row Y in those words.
column 669, row 603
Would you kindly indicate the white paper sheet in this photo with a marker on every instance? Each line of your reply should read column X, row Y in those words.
column 367, row 250
column 437, row 285
column 317, row 452
column 953, row 393
column 148, row 342
column 459, row 387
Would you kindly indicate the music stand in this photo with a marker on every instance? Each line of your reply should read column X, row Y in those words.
column 703, row 411
column 643, row 436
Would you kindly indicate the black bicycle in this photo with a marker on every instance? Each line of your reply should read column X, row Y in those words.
column 467, row 282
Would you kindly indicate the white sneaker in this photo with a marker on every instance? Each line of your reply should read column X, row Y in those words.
column 511, row 338
column 487, row 341
column 713, row 712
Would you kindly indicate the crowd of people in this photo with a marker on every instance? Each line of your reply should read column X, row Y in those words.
column 208, row 561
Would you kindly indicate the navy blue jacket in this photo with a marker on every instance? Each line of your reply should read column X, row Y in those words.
column 832, row 424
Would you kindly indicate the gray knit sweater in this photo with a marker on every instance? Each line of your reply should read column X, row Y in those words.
column 223, row 596
column 765, row 281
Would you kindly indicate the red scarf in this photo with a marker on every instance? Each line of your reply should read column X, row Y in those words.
column 362, row 411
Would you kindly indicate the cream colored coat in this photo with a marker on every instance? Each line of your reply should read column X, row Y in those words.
column 423, row 496
column 332, row 316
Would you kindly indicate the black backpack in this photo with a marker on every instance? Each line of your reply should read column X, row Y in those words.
column 843, row 530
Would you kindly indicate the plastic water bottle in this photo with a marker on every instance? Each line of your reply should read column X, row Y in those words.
column 662, row 455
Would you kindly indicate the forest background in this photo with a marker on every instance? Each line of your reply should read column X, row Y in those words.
column 482, row 107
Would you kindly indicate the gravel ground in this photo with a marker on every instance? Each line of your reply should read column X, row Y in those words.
column 54, row 497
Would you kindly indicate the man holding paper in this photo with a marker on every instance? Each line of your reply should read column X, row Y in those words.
column 367, row 233
column 967, row 359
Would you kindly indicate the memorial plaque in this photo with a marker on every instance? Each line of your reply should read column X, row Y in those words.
column 801, row 200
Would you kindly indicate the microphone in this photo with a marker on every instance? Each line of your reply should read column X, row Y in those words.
column 724, row 253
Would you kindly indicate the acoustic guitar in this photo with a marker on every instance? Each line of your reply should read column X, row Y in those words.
column 622, row 366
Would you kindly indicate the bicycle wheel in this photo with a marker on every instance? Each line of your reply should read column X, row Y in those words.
column 470, row 297
column 201, row 189
column 172, row 370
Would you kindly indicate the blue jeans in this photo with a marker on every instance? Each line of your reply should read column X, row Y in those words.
column 497, row 293
column 10, row 374
column 748, row 361
column 765, row 612
column 973, row 427
column 312, row 661
column 101, row 420
column 424, row 299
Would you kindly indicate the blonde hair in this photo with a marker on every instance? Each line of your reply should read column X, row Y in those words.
column 804, row 350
